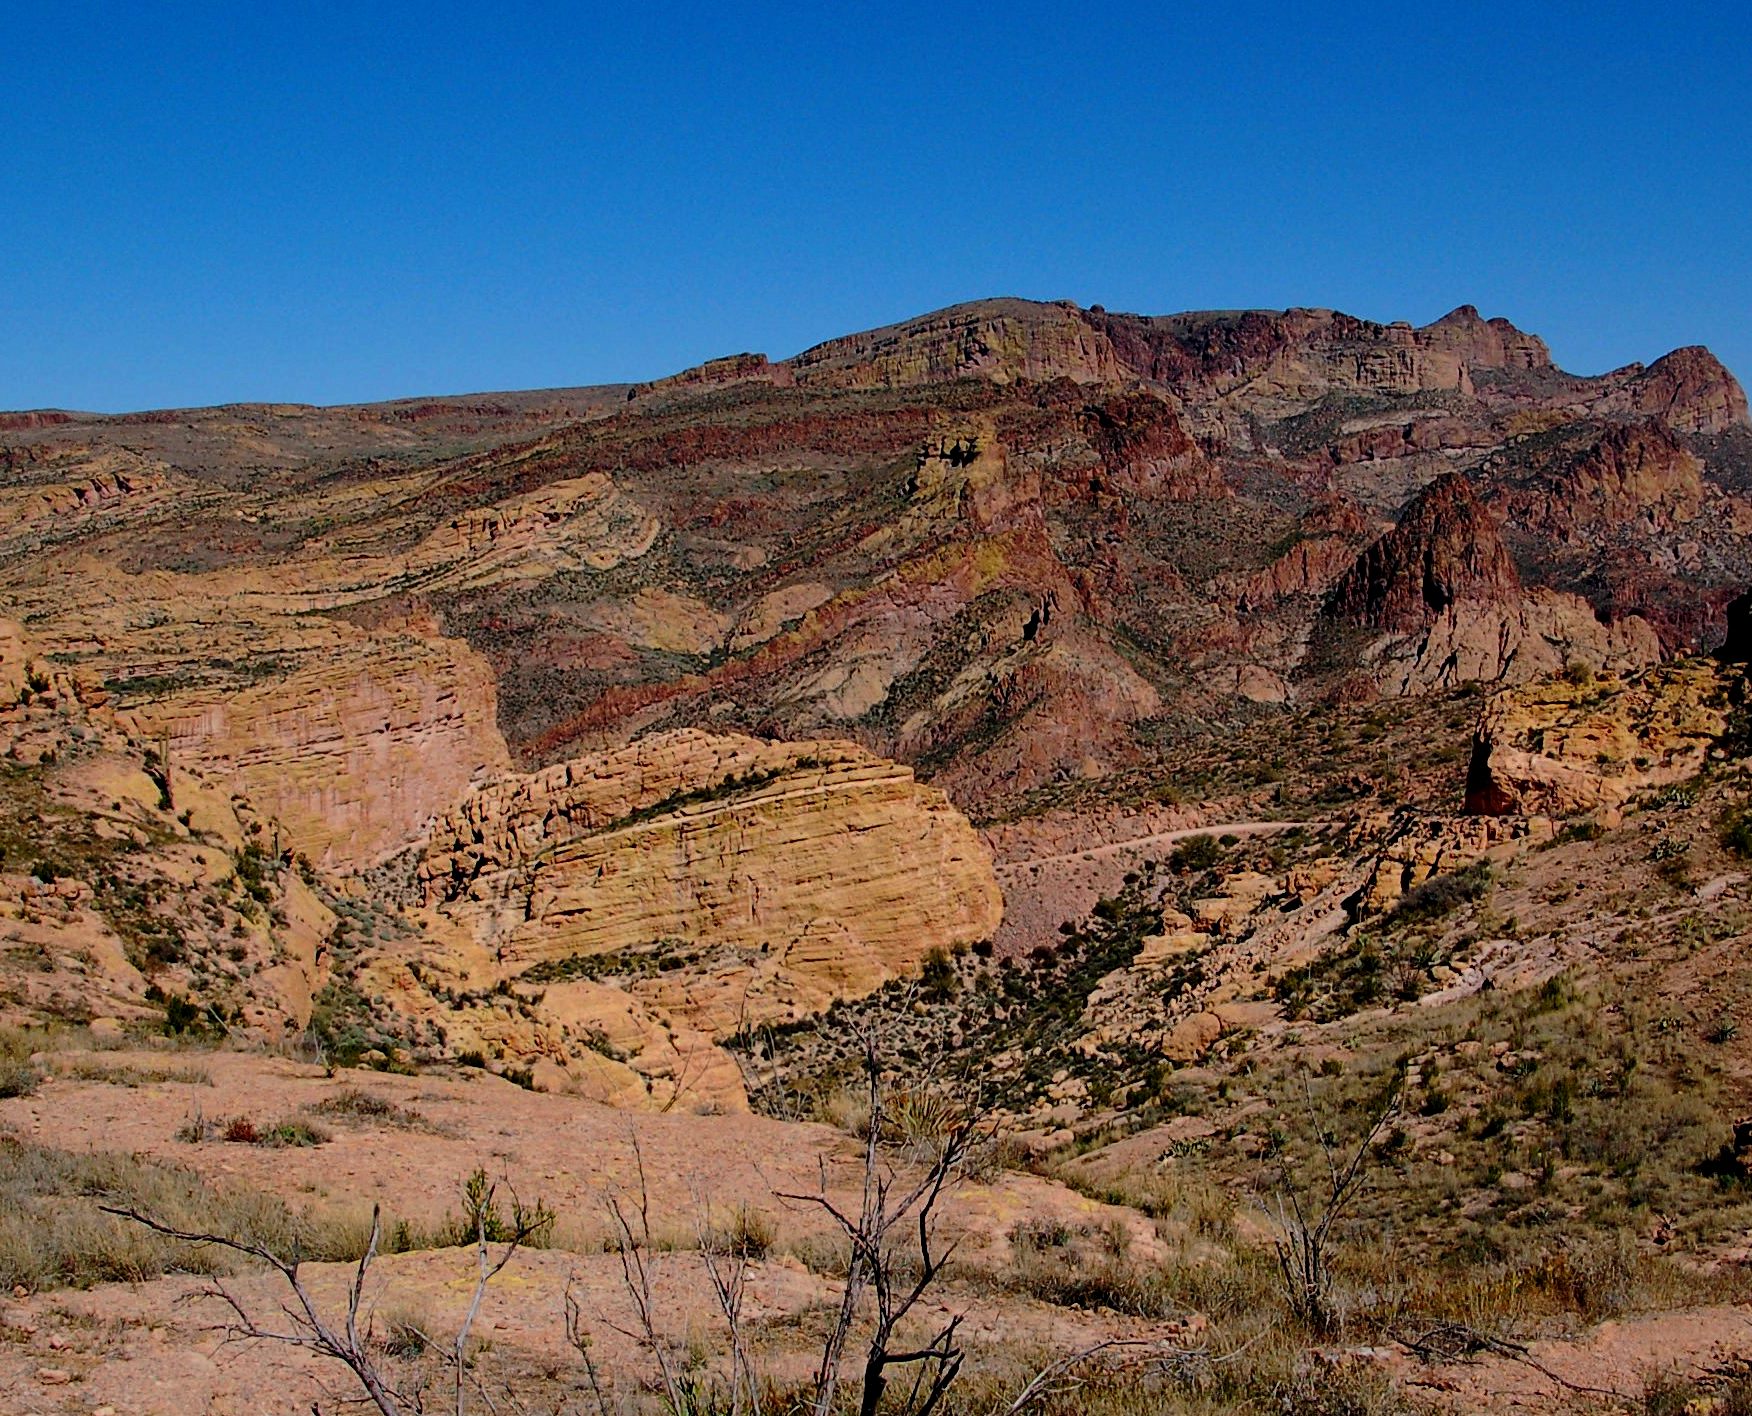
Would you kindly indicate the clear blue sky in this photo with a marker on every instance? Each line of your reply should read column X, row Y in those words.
column 326, row 203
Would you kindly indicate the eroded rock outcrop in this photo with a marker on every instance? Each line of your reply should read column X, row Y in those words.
column 707, row 883
column 1688, row 388
column 1446, row 548
column 142, row 883
column 1619, row 479
column 727, row 841
column 357, row 748
column 1538, row 633
column 583, row 523
column 1569, row 745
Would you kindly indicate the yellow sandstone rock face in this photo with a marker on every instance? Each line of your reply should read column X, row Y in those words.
column 715, row 882
column 584, row 523
column 353, row 753
column 1557, row 747
column 131, row 890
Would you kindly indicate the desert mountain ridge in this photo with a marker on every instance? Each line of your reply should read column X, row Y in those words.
column 1171, row 736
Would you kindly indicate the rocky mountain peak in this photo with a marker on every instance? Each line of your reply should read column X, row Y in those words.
column 1445, row 548
column 1691, row 390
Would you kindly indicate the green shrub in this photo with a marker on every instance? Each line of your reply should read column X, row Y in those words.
column 1736, row 831
column 1194, row 854
column 18, row 1077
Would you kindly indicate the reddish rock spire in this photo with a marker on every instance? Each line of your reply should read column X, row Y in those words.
column 1445, row 548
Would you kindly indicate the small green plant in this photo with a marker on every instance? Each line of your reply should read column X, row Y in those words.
column 482, row 1218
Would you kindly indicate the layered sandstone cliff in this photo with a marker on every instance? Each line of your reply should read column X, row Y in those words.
column 650, row 902
column 767, row 849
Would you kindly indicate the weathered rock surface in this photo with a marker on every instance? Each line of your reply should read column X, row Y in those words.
column 581, row 524
column 725, row 842
column 1540, row 633
column 1688, row 388
column 1559, row 747
column 122, row 884
column 1625, row 477
column 990, row 541
column 357, row 749
column 1445, row 549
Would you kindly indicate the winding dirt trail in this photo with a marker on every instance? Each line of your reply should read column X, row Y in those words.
column 1159, row 838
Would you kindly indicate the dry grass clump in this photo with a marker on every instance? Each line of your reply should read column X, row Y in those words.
column 241, row 1130
column 745, row 1233
column 355, row 1104
column 1263, row 1369
column 19, row 1076
column 127, row 1074
column 53, row 1232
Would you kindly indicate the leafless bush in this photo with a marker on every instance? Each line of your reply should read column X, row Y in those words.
column 1303, row 1221
column 346, row 1338
column 894, row 1256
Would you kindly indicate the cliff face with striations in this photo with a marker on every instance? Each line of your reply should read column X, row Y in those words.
column 653, row 901
column 356, row 749
column 729, row 842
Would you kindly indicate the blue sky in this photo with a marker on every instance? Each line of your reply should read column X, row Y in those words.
column 327, row 203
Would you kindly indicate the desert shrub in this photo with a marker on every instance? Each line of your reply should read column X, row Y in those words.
column 18, row 1074
column 1669, row 1394
column 18, row 1078
column 1036, row 1236
column 356, row 1104
column 483, row 1216
column 1735, row 831
column 294, row 1132
column 1586, row 830
column 404, row 1332
column 241, row 1130
column 1066, row 1274
column 938, row 981
column 128, row 1075
column 1194, row 854
column 1443, row 894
